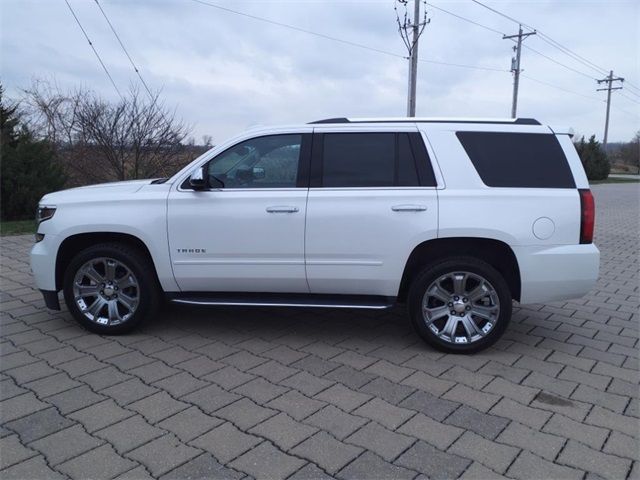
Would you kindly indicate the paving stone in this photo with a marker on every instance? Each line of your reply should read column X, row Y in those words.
column 204, row 466
column 75, row 399
column 369, row 464
column 100, row 415
column 211, row 398
column 306, row 383
column 226, row 442
column 343, row 397
column 542, row 444
column 436, row 408
column 13, row 451
column 129, row 434
column 378, row 439
column 39, row 424
column 189, row 424
column 354, row 359
column 163, row 454
column 389, row 371
column 284, row 354
column 152, row 372
column 245, row 413
column 31, row 372
column 479, row 400
column 129, row 391
column 283, row 431
column 528, row 462
column 587, row 394
column 9, row 389
column 532, row 417
column 622, row 445
column 229, row 377
column 180, row 384
column 310, row 472
column 435, row 433
column 387, row 390
column 82, row 366
column 315, row 365
column 266, row 461
column 200, row 366
column 494, row 455
column 296, row 405
column 350, row 377
column 260, row 390
column 604, row 418
column 174, row 355
column 474, row 380
column 516, row 392
column 53, row 384
column 158, row 406
column 426, row 459
column 102, row 462
column 130, row 360
column 554, row 403
column 384, row 413
column 564, row 388
column 104, row 378
column 65, row 444
column 477, row 471
column 512, row 374
column 430, row 384
column 489, row 426
column 21, row 405
column 35, row 467
column 273, row 371
column 330, row 454
column 336, row 422
column 585, row 458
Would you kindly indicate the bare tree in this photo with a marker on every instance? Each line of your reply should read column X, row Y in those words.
column 97, row 140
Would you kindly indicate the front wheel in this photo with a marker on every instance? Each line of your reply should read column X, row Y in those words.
column 460, row 305
column 110, row 288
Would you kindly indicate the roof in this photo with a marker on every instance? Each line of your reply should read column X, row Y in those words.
column 512, row 121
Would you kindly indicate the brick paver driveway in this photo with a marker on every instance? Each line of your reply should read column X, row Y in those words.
column 229, row 393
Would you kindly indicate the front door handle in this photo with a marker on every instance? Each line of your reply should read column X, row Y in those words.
column 282, row 209
column 409, row 208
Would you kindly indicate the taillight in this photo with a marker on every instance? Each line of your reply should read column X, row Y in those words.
column 587, row 215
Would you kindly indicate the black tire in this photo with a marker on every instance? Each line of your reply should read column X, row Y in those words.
column 441, row 269
column 148, row 289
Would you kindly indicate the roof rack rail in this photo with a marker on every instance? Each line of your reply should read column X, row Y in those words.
column 517, row 121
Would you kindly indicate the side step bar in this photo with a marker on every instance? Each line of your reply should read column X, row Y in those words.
column 371, row 302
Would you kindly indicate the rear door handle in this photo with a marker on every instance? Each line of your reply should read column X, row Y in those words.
column 282, row 209
column 408, row 208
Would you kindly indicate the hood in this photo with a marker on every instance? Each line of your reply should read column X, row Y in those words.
column 89, row 192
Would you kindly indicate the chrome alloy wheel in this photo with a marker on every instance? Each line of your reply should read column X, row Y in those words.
column 460, row 307
column 106, row 291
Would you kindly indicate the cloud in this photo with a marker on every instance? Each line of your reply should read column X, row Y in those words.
column 225, row 72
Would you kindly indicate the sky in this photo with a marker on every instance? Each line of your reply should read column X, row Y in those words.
column 225, row 72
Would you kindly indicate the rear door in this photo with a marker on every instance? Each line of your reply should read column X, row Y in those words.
column 372, row 199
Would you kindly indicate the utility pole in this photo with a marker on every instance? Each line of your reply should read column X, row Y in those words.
column 609, row 81
column 515, row 66
column 411, row 42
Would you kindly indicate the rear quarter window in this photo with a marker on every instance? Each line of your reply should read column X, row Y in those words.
column 524, row 160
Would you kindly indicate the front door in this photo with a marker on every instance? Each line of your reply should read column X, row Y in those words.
column 246, row 232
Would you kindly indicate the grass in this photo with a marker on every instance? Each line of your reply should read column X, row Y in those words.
column 17, row 227
column 615, row 180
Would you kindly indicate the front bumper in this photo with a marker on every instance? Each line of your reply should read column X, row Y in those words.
column 43, row 263
column 558, row 272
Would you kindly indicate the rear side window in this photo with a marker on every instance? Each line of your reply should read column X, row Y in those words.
column 525, row 160
column 372, row 160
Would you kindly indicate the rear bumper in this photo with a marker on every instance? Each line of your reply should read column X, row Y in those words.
column 557, row 273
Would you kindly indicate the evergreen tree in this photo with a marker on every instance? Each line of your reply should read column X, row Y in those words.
column 28, row 169
column 593, row 158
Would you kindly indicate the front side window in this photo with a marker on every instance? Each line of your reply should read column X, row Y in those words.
column 262, row 162
column 370, row 160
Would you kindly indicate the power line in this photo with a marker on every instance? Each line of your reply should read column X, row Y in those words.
column 339, row 40
column 547, row 39
column 104, row 67
column 493, row 30
column 561, row 88
column 125, row 51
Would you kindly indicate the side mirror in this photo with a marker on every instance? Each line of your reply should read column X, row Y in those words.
column 258, row 173
column 198, row 179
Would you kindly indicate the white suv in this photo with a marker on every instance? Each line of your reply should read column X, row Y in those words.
column 455, row 218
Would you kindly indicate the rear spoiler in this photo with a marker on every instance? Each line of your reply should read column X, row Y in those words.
column 563, row 131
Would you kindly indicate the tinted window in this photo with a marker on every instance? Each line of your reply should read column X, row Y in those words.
column 529, row 160
column 263, row 162
column 368, row 160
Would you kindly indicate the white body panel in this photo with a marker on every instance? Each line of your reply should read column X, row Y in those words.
column 340, row 240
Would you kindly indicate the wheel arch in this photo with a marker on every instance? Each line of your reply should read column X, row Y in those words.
column 495, row 252
column 73, row 244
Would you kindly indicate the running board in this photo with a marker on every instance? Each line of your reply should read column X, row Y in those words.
column 371, row 302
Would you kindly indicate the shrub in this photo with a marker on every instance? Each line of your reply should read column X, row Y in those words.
column 593, row 158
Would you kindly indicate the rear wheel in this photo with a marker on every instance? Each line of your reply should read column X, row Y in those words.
column 460, row 305
column 110, row 288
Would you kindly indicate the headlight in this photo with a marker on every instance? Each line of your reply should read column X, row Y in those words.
column 44, row 212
